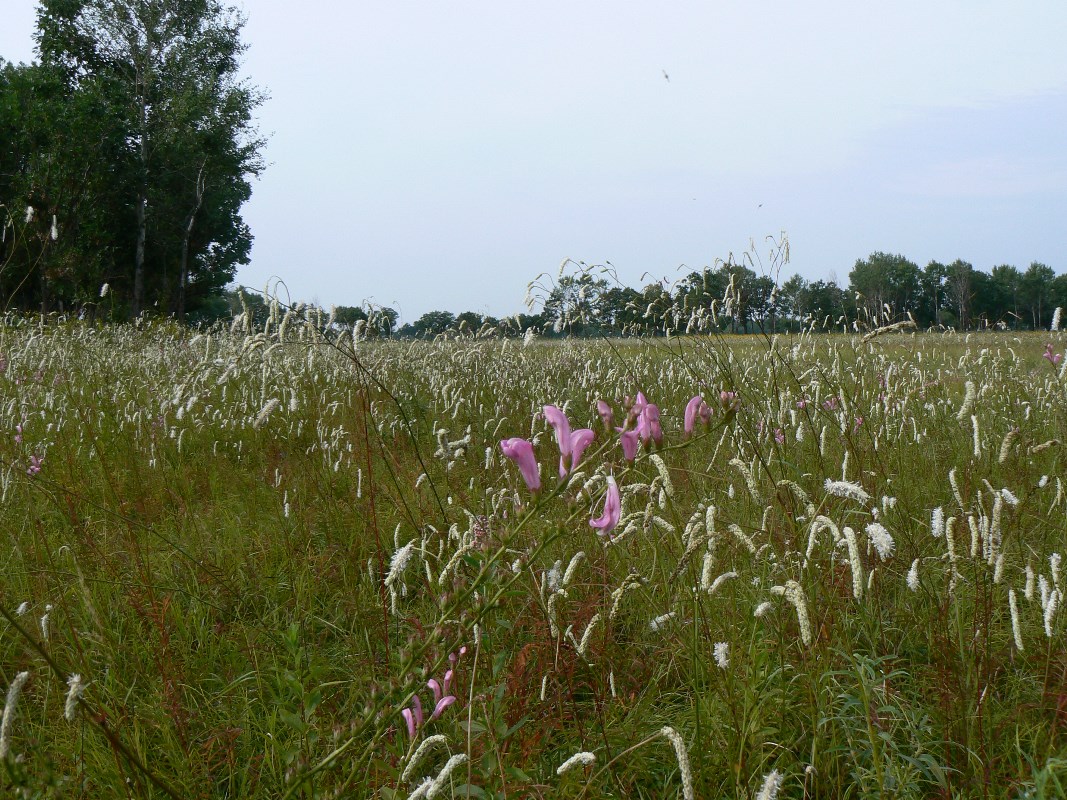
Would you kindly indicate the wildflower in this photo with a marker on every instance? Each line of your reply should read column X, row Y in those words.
column 35, row 465
column 648, row 424
column 671, row 735
column 779, row 435
column 441, row 697
column 1050, row 610
column 105, row 289
column 265, row 412
column 607, row 416
column 719, row 581
column 881, row 539
column 794, row 593
column 442, row 778
column 853, row 491
column 77, row 689
column 854, row 561
column 30, row 211
column 968, row 401
column 583, row 759
column 722, row 654
column 771, row 784
column 609, row 518
column 1056, row 319
column 630, row 442
column 913, row 576
column 1016, row 630
column 661, row 620
column 762, row 609
column 695, row 408
column 664, row 473
column 1053, row 358
column 521, row 452
column 413, row 717
column 937, row 522
column 13, row 692
column 427, row 744
column 571, row 444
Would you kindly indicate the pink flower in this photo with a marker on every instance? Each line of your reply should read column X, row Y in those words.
column 441, row 697
column 1053, row 358
column 521, row 452
column 858, row 422
column 647, row 416
column 651, row 417
column 609, row 518
column 693, row 409
column 606, row 414
column 413, row 717
column 409, row 720
column 571, row 443
column 35, row 465
column 729, row 400
column 779, row 436
column 580, row 440
column 561, row 425
column 630, row 444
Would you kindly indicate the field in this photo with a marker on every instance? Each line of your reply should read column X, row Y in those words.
column 284, row 563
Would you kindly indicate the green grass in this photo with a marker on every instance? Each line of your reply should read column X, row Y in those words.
column 219, row 583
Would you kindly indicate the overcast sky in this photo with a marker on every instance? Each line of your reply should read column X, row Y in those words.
column 441, row 155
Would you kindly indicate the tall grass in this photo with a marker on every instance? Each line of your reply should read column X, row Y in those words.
column 256, row 548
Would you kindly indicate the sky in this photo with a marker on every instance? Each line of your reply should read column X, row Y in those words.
column 442, row 155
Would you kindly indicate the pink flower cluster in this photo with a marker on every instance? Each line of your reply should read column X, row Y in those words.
column 414, row 717
column 1053, row 358
column 642, row 427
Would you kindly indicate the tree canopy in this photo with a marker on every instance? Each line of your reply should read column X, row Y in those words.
column 128, row 151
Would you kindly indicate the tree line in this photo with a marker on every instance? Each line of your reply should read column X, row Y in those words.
column 126, row 153
column 735, row 298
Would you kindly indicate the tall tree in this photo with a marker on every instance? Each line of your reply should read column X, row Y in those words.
column 170, row 69
column 887, row 284
column 1036, row 287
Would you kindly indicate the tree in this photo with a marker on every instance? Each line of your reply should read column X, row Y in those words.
column 572, row 304
column 886, row 283
column 167, row 74
column 934, row 297
column 960, row 287
column 1004, row 290
column 1036, row 286
column 433, row 323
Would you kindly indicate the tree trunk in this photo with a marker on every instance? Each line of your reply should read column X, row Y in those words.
column 183, row 271
column 142, row 195
column 138, row 264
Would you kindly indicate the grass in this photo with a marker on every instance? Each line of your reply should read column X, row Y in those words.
column 214, row 529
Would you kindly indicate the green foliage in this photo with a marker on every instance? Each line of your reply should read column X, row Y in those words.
column 133, row 141
column 216, row 528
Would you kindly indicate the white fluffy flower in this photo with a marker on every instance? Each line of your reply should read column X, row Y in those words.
column 853, row 491
column 722, row 654
column 881, row 539
column 582, row 759
column 913, row 576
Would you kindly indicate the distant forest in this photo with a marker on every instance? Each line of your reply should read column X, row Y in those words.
column 882, row 289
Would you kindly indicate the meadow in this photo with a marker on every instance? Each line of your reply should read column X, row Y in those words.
column 288, row 562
